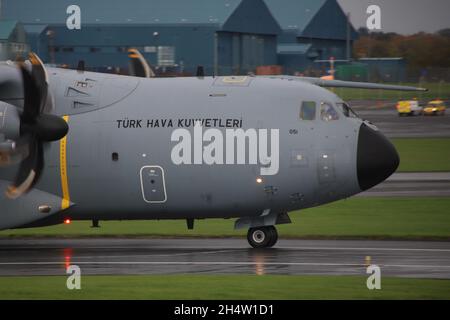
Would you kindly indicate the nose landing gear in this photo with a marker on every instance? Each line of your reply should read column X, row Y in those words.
column 261, row 231
column 262, row 237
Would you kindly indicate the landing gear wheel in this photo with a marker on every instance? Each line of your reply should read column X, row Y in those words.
column 262, row 237
column 273, row 237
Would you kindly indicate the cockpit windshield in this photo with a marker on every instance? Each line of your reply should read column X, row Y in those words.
column 327, row 112
column 346, row 110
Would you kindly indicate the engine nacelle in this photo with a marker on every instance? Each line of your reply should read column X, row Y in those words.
column 32, row 207
column 9, row 121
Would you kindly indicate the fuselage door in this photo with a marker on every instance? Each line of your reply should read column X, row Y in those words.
column 330, row 124
column 153, row 184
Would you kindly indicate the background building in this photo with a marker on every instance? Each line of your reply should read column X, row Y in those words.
column 175, row 36
column 385, row 69
column 12, row 40
column 231, row 36
column 312, row 30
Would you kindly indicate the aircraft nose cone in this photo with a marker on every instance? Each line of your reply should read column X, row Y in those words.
column 377, row 158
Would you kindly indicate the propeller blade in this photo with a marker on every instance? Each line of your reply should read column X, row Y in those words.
column 139, row 67
column 30, row 170
column 36, row 128
column 81, row 66
column 200, row 72
column 32, row 97
column 39, row 74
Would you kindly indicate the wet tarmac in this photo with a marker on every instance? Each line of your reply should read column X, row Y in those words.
column 419, row 184
column 223, row 256
column 394, row 126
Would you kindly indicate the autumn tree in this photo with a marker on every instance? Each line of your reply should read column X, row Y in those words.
column 421, row 50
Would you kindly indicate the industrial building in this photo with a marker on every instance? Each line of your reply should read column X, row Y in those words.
column 13, row 42
column 175, row 36
column 232, row 36
column 313, row 30
column 385, row 69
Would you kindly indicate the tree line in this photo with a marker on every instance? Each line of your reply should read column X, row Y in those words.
column 421, row 50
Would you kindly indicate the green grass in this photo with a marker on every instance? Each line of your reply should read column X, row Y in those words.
column 208, row 287
column 426, row 154
column 436, row 90
column 385, row 218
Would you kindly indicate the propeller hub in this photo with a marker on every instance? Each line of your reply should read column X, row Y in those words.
column 28, row 132
column 47, row 128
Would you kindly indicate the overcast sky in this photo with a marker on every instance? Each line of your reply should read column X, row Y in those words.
column 402, row 16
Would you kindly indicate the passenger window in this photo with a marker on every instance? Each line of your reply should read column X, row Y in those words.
column 308, row 110
column 327, row 112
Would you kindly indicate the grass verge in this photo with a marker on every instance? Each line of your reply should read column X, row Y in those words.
column 423, row 154
column 374, row 218
column 209, row 287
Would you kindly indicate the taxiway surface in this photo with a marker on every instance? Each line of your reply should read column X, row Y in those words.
column 393, row 126
column 414, row 184
column 223, row 256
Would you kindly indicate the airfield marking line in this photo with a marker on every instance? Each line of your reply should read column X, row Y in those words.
column 243, row 249
column 216, row 263
column 157, row 255
column 122, row 247
column 365, row 249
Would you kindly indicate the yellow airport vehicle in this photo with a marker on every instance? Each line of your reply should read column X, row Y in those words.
column 409, row 108
column 435, row 107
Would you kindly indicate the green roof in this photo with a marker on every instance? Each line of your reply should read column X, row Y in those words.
column 6, row 28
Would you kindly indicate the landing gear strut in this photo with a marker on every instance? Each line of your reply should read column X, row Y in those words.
column 262, row 237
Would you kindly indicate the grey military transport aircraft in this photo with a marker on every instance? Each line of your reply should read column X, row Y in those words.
column 88, row 146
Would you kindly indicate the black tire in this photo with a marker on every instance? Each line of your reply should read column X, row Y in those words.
column 273, row 237
column 262, row 237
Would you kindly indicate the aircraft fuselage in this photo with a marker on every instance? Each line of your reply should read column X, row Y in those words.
column 126, row 155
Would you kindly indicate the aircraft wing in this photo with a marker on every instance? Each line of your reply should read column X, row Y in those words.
column 349, row 84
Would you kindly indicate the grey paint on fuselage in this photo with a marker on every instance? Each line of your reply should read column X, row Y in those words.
column 105, row 189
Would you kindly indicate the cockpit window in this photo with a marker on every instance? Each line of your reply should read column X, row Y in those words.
column 327, row 112
column 308, row 110
column 346, row 110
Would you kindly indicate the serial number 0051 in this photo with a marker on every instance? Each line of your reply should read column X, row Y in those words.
column 241, row 309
